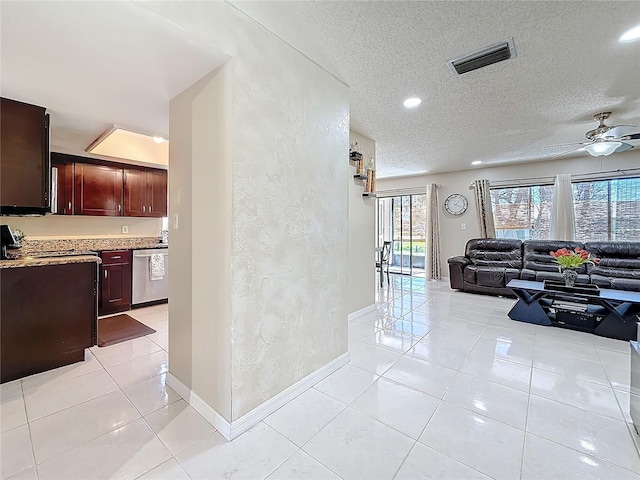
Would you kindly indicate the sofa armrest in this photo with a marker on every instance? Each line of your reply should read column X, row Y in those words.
column 456, row 270
column 460, row 260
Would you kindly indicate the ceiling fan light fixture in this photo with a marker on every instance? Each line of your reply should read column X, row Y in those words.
column 602, row 149
column 631, row 35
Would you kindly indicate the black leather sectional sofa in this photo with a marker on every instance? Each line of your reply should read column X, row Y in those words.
column 490, row 263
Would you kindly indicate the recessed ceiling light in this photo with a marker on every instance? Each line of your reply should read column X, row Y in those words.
column 476, row 162
column 158, row 139
column 631, row 35
column 412, row 102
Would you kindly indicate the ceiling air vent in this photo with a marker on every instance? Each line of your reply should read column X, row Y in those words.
column 483, row 57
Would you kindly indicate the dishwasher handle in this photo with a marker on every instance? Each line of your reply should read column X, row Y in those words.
column 147, row 255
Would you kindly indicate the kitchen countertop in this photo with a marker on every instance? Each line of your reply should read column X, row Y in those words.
column 28, row 261
column 32, row 252
column 157, row 245
column 95, row 244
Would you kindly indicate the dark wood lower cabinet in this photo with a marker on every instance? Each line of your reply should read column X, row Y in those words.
column 48, row 317
column 115, row 282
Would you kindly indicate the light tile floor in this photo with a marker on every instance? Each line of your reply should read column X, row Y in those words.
column 441, row 384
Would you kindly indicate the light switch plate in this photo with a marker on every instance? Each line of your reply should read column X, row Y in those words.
column 125, row 229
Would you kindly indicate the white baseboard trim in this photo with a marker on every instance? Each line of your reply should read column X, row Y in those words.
column 200, row 406
column 634, row 435
column 262, row 411
column 248, row 420
column 361, row 312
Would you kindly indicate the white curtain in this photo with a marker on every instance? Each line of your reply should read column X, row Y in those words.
column 483, row 208
column 563, row 225
column 432, row 259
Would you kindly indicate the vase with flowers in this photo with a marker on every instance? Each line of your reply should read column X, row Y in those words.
column 569, row 260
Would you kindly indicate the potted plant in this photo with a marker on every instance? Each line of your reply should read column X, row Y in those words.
column 569, row 260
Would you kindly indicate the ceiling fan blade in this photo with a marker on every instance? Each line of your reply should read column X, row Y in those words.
column 566, row 144
column 564, row 153
column 634, row 136
column 623, row 148
column 621, row 131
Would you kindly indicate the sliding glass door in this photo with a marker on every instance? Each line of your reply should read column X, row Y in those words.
column 402, row 220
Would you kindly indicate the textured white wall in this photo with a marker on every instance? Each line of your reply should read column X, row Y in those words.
column 288, row 141
column 453, row 239
column 290, row 183
column 362, row 278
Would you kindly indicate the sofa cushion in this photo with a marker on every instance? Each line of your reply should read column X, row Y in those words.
column 619, row 265
column 631, row 284
column 495, row 252
column 470, row 274
column 537, row 258
column 620, row 250
column 617, row 259
column 496, row 276
column 613, row 272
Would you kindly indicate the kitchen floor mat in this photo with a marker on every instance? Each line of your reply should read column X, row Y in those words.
column 120, row 328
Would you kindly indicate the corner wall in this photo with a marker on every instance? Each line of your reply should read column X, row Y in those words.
column 362, row 273
column 281, row 150
column 452, row 237
column 200, row 179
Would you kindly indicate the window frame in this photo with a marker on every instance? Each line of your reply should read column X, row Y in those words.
column 612, row 220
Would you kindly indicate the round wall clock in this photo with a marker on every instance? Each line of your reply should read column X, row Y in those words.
column 456, row 204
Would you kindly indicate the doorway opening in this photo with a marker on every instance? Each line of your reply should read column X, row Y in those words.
column 401, row 219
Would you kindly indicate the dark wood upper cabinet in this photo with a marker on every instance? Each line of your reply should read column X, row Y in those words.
column 157, row 192
column 145, row 192
column 88, row 186
column 135, row 192
column 98, row 190
column 25, row 168
column 64, row 187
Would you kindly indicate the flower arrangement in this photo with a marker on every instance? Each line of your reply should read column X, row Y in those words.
column 572, row 258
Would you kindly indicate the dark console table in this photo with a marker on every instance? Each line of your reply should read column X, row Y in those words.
column 612, row 313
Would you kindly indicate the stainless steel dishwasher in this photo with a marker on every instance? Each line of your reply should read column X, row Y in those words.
column 144, row 289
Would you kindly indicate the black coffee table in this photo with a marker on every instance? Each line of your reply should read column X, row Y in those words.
column 610, row 313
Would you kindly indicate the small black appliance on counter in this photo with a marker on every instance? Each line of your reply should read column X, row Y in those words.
column 8, row 241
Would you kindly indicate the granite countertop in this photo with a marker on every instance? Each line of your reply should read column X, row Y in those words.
column 37, row 252
column 94, row 244
column 157, row 245
column 28, row 261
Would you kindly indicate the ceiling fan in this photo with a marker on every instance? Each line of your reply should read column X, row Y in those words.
column 605, row 140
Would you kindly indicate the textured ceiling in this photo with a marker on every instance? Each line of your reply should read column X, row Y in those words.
column 569, row 66
column 95, row 64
